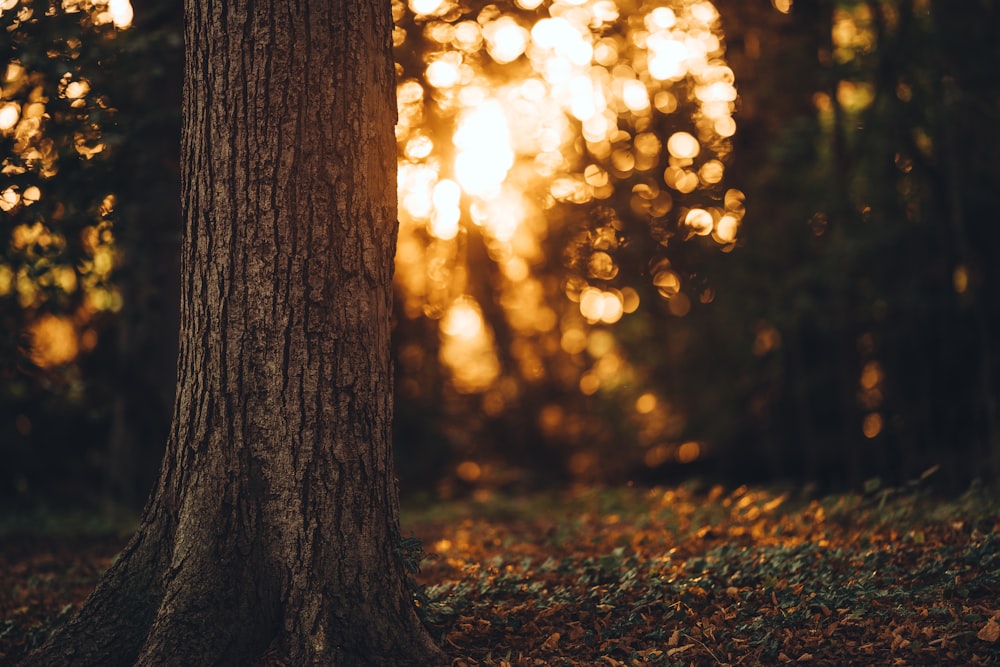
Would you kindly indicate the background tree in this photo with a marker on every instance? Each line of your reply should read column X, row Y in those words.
column 870, row 308
column 274, row 522
column 146, row 180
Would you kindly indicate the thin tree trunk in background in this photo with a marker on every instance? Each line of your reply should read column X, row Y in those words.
column 274, row 524
column 149, row 238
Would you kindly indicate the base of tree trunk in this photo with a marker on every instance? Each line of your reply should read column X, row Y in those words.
column 213, row 606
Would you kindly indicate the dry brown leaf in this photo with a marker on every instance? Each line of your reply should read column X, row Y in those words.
column 989, row 632
column 552, row 643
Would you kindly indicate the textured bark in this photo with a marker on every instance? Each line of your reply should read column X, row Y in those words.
column 274, row 523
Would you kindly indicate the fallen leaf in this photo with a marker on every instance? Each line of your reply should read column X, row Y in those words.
column 989, row 632
column 552, row 643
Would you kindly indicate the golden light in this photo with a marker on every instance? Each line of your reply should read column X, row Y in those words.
column 419, row 147
column 53, row 341
column 506, row 39
column 725, row 127
column 86, row 147
column 667, row 61
column 606, row 52
column 725, row 229
column 561, row 38
column 415, row 186
column 679, row 305
column 871, row 375
column 635, row 96
column 600, row 343
column 630, row 300
column 688, row 452
column 683, row 145
column 660, row 18
column 711, row 172
column 855, row 95
column 10, row 113
column 589, row 384
column 445, row 71
column 852, row 32
column 667, row 283
column 682, row 180
column 657, row 455
column 526, row 120
column 501, row 215
column 705, row 12
column 604, row 11
column 596, row 128
column 444, row 220
column 468, row 36
column 6, row 280
column 768, row 338
column 602, row 266
column 425, row 7
column 467, row 347
column 699, row 221
column 65, row 278
column 719, row 91
column 645, row 403
column 121, row 13
column 599, row 306
column 573, row 341
column 484, row 153
column 960, row 279
column 9, row 199
column 585, row 101
column 409, row 92
column 469, row 471
column 872, row 425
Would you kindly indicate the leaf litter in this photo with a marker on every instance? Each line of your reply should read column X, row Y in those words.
column 664, row 576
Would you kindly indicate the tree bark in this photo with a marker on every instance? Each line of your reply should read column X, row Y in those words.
column 274, row 524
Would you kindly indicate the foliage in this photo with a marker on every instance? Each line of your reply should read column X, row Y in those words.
column 657, row 576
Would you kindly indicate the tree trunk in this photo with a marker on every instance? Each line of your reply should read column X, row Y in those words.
column 274, row 523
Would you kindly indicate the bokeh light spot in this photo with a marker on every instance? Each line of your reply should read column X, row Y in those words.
column 688, row 452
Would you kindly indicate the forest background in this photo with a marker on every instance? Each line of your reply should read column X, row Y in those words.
column 834, row 318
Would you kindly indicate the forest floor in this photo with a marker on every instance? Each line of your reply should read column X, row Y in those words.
column 669, row 576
